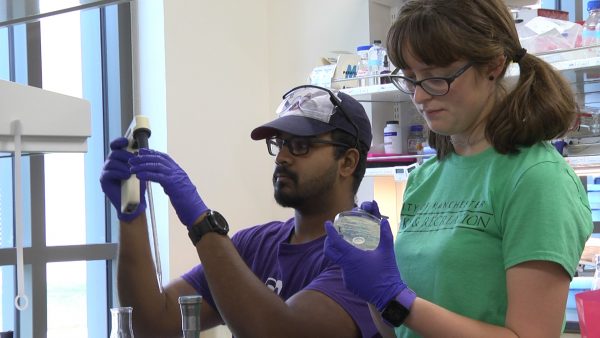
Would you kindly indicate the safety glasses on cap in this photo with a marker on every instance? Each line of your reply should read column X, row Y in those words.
column 314, row 102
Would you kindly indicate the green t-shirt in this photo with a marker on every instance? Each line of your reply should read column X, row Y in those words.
column 466, row 220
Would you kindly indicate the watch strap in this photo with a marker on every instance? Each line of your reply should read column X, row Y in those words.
column 196, row 231
column 396, row 311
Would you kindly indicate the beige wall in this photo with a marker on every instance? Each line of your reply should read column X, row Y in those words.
column 211, row 71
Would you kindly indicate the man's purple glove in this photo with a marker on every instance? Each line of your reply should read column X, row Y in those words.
column 158, row 167
column 370, row 274
column 115, row 170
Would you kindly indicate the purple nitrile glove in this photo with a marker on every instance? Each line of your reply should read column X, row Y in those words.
column 159, row 167
column 371, row 207
column 370, row 274
column 116, row 170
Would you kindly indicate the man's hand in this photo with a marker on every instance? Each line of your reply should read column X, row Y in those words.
column 116, row 170
column 158, row 167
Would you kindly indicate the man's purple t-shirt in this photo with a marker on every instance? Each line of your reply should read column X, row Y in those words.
column 289, row 268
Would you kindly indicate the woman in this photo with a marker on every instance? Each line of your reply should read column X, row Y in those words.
column 493, row 227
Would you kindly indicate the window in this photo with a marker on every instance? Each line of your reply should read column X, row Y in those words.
column 68, row 243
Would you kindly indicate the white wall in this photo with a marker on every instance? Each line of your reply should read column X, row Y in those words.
column 224, row 68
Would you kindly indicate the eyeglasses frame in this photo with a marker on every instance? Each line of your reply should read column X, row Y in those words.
column 448, row 79
column 311, row 141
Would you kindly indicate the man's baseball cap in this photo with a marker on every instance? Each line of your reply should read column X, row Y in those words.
column 311, row 110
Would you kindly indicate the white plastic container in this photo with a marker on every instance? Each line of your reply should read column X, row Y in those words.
column 392, row 138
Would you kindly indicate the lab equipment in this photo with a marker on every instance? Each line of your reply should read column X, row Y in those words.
column 37, row 120
column 392, row 138
column 137, row 135
column 376, row 53
column 596, row 279
column 121, row 322
column 190, row 315
column 591, row 26
column 358, row 228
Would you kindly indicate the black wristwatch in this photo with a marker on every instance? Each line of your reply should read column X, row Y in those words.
column 213, row 222
column 396, row 311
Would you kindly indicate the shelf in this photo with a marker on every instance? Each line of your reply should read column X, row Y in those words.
column 400, row 173
column 566, row 61
column 585, row 165
column 377, row 93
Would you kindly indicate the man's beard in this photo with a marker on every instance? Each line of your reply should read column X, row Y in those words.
column 308, row 193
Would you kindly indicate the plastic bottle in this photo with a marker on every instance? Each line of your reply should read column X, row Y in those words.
column 392, row 141
column 596, row 280
column 190, row 315
column 363, row 64
column 385, row 70
column 591, row 26
column 121, row 322
column 415, row 139
column 375, row 61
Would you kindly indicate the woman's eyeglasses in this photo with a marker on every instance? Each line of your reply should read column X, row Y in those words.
column 297, row 146
column 434, row 86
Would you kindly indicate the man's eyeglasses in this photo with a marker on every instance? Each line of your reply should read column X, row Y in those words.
column 297, row 146
column 315, row 102
column 434, row 86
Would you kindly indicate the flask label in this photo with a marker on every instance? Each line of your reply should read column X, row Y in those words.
column 390, row 133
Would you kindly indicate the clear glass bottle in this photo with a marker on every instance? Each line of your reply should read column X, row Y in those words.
column 375, row 62
column 190, row 315
column 415, row 139
column 363, row 64
column 591, row 26
column 596, row 279
column 121, row 322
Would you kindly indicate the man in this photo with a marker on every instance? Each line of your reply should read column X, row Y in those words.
column 271, row 280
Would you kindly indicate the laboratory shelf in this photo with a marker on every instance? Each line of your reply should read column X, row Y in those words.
column 570, row 63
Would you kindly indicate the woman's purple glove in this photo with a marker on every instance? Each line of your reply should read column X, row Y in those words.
column 158, row 167
column 371, row 207
column 116, row 170
column 370, row 274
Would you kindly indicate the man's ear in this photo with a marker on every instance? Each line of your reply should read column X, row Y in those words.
column 349, row 162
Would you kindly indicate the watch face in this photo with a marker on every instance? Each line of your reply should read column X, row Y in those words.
column 394, row 313
column 219, row 222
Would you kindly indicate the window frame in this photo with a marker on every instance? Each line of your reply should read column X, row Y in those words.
column 112, row 108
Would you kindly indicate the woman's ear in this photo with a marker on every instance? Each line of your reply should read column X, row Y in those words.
column 496, row 67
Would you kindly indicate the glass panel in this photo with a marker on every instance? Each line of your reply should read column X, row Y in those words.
column 7, row 288
column 65, row 199
column 68, row 299
column 4, row 65
column 64, row 173
column 6, row 205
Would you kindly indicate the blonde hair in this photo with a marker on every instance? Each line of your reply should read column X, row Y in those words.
column 440, row 32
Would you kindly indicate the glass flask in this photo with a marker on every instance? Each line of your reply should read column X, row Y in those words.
column 121, row 322
column 190, row 315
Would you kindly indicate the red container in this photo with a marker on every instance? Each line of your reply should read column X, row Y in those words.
column 588, row 311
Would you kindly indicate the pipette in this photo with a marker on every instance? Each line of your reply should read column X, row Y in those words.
column 138, row 134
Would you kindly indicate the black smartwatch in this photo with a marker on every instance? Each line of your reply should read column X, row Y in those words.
column 396, row 311
column 213, row 222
